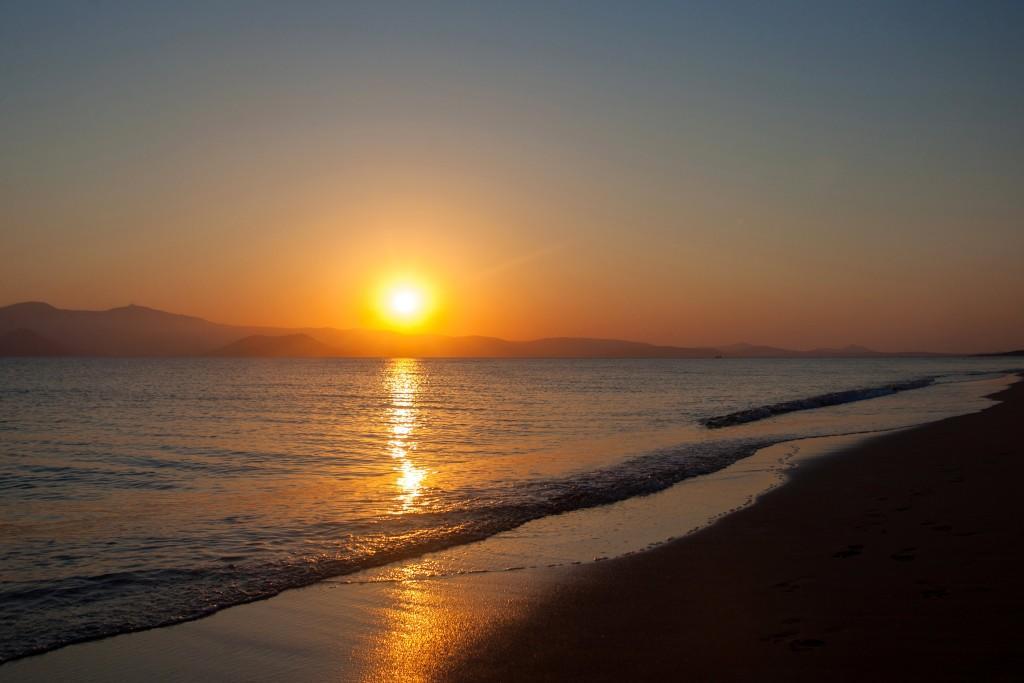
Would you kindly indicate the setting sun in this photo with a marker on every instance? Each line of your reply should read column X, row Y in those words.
column 405, row 303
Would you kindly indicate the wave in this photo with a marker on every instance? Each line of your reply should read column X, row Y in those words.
column 821, row 401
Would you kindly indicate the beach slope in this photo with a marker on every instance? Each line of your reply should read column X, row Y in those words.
column 899, row 559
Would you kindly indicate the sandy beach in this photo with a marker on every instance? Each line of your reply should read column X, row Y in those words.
column 898, row 559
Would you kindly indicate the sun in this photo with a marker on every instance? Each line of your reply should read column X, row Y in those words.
column 405, row 303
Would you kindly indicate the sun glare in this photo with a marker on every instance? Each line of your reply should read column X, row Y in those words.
column 405, row 303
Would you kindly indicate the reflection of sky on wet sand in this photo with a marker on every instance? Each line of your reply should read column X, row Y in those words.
column 427, row 623
column 406, row 631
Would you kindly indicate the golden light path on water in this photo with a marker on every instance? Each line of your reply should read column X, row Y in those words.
column 403, row 376
column 420, row 622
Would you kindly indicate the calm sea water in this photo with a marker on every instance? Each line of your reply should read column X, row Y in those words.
column 143, row 492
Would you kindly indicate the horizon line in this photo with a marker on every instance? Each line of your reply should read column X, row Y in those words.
column 851, row 347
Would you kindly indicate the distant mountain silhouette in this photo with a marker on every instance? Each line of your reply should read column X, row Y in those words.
column 852, row 351
column 140, row 331
column 284, row 346
column 125, row 331
column 23, row 342
column 1018, row 352
column 385, row 344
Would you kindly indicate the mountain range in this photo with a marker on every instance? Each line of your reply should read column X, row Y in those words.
column 39, row 329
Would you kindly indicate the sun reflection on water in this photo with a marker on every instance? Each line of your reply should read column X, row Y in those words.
column 403, row 377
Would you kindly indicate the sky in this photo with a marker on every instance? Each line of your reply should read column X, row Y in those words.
column 797, row 174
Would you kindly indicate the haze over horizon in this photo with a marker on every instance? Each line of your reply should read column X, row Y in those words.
column 270, row 333
column 804, row 176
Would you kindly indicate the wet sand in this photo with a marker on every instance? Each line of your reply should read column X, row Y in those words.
column 898, row 559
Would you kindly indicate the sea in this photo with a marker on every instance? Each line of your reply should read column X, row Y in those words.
column 136, row 493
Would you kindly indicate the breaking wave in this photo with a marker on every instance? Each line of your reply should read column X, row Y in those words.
column 821, row 401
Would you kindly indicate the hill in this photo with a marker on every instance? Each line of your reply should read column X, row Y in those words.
column 124, row 331
column 852, row 351
column 140, row 331
column 284, row 346
column 23, row 342
column 385, row 344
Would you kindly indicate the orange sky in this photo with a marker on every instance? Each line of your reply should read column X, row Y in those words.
column 671, row 176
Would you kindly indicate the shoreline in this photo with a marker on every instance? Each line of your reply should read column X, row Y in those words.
column 688, row 506
column 894, row 559
column 504, row 600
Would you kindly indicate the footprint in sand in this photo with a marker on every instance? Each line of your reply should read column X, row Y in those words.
column 852, row 550
column 791, row 585
column 781, row 635
column 905, row 555
column 805, row 644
